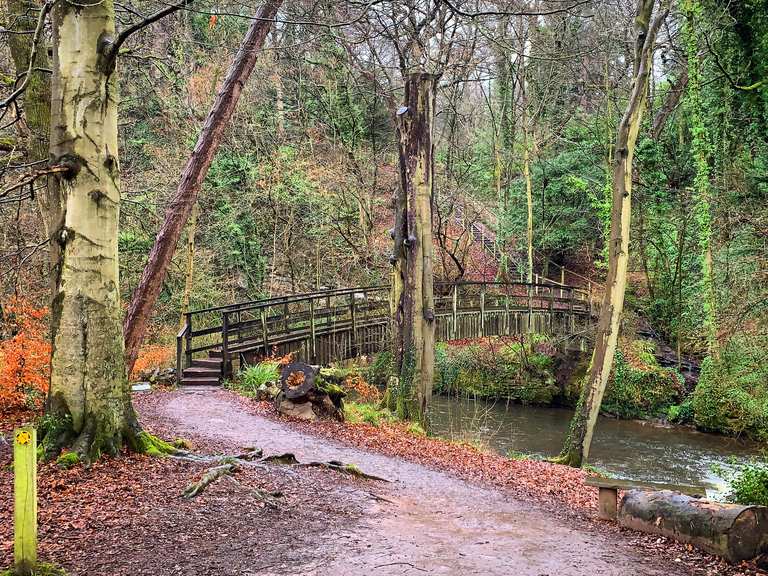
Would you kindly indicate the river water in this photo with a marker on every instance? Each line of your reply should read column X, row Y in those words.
column 629, row 449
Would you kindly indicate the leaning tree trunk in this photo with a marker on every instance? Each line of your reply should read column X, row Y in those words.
column 177, row 213
column 576, row 449
column 412, row 295
column 89, row 389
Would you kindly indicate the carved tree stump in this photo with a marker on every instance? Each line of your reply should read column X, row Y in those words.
column 301, row 397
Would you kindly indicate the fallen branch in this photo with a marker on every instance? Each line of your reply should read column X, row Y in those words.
column 350, row 469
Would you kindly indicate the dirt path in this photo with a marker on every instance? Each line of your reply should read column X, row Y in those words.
column 430, row 522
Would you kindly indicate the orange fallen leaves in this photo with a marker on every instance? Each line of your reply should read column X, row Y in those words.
column 151, row 357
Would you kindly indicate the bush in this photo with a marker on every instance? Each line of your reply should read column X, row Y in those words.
column 681, row 413
column 380, row 369
column 355, row 413
column 25, row 357
column 749, row 485
column 253, row 377
column 731, row 396
column 639, row 387
column 497, row 369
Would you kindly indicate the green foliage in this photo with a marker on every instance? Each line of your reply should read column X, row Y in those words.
column 67, row 460
column 41, row 569
column 567, row 183
column 749, row 484
column 640, row 389
column 251, row 378
column 366, row 413
column 380, row 370
column 681, row 413
column 520, row 373
column 731, row 396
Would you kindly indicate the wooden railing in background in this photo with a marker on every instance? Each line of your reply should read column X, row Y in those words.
column 336, row 324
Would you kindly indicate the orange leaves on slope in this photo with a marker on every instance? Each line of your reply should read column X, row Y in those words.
column 25, row 356
column 151, row 357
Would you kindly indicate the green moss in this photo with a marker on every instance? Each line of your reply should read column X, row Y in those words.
column 518, row 372
column 182, row 444
column 416, row 429
column 355, row 413
column 731, row 396
column 42, row 569
column 68, row 460
column 153, row 446
column 642, row 389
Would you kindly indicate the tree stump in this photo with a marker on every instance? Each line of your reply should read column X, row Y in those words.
column 729, row 530
column 305, row 396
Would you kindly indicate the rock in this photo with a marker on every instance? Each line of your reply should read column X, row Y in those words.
column 302, row 411
column 141, row 387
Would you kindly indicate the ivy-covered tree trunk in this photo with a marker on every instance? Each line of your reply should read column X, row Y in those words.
column 36, row 102
column 89, row 390
column 412, row 290
column 577, row 444
column 701, row 184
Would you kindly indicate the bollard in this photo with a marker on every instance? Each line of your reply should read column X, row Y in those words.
column 25, row 499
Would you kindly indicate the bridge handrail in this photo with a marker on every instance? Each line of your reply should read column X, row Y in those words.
column 228, row 319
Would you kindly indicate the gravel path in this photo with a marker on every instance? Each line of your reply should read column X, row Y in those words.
column 426, row 522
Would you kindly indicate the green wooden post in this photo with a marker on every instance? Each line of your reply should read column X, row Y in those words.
column 25, row 499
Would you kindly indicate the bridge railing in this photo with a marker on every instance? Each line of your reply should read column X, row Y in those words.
column 359, row 319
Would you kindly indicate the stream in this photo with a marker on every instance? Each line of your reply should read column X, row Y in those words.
column 631, row 449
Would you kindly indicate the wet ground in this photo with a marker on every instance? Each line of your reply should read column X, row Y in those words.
column 424, row 521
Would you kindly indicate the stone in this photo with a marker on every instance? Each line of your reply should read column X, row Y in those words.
column 302, row 410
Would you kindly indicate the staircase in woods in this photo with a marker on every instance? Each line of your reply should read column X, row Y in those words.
column 204, row 371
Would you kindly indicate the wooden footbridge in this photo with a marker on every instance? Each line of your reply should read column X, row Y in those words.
column 332, row 325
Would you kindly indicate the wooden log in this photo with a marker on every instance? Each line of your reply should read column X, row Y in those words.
column 729, row 530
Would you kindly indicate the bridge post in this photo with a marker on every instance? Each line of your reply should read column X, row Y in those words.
column 570, row 310
column 562, row 280
column 551, row 309
column 455, row 327
column 285, row 317
column 313, row 335
column 264, row 335
column 188, row 338
column 530, row 309
column 536, row 286
column 508, row 319
column 225, row 366
column 353, row 313
column 482, row 310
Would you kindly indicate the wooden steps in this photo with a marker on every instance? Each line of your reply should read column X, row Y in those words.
column 204, row 371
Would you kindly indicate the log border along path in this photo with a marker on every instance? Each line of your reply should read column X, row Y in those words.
column 337, row 324
column 422, row 522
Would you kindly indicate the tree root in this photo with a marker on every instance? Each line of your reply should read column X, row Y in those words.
column 351, row 469
column 210, row 476
column 228, row 465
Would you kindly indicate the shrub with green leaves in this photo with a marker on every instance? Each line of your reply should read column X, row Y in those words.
column 253, row 377
column 731, row 396
column 497, row 370
column 749, row 485
column 639, row 387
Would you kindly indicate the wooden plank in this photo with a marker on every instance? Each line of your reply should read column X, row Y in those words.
column 25, row 499
column 622, row 484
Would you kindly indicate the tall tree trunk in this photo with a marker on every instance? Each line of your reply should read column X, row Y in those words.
column 146, row 293
column 577, row 444
column 37, row 106
column 89, row 388
column 412, row 290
